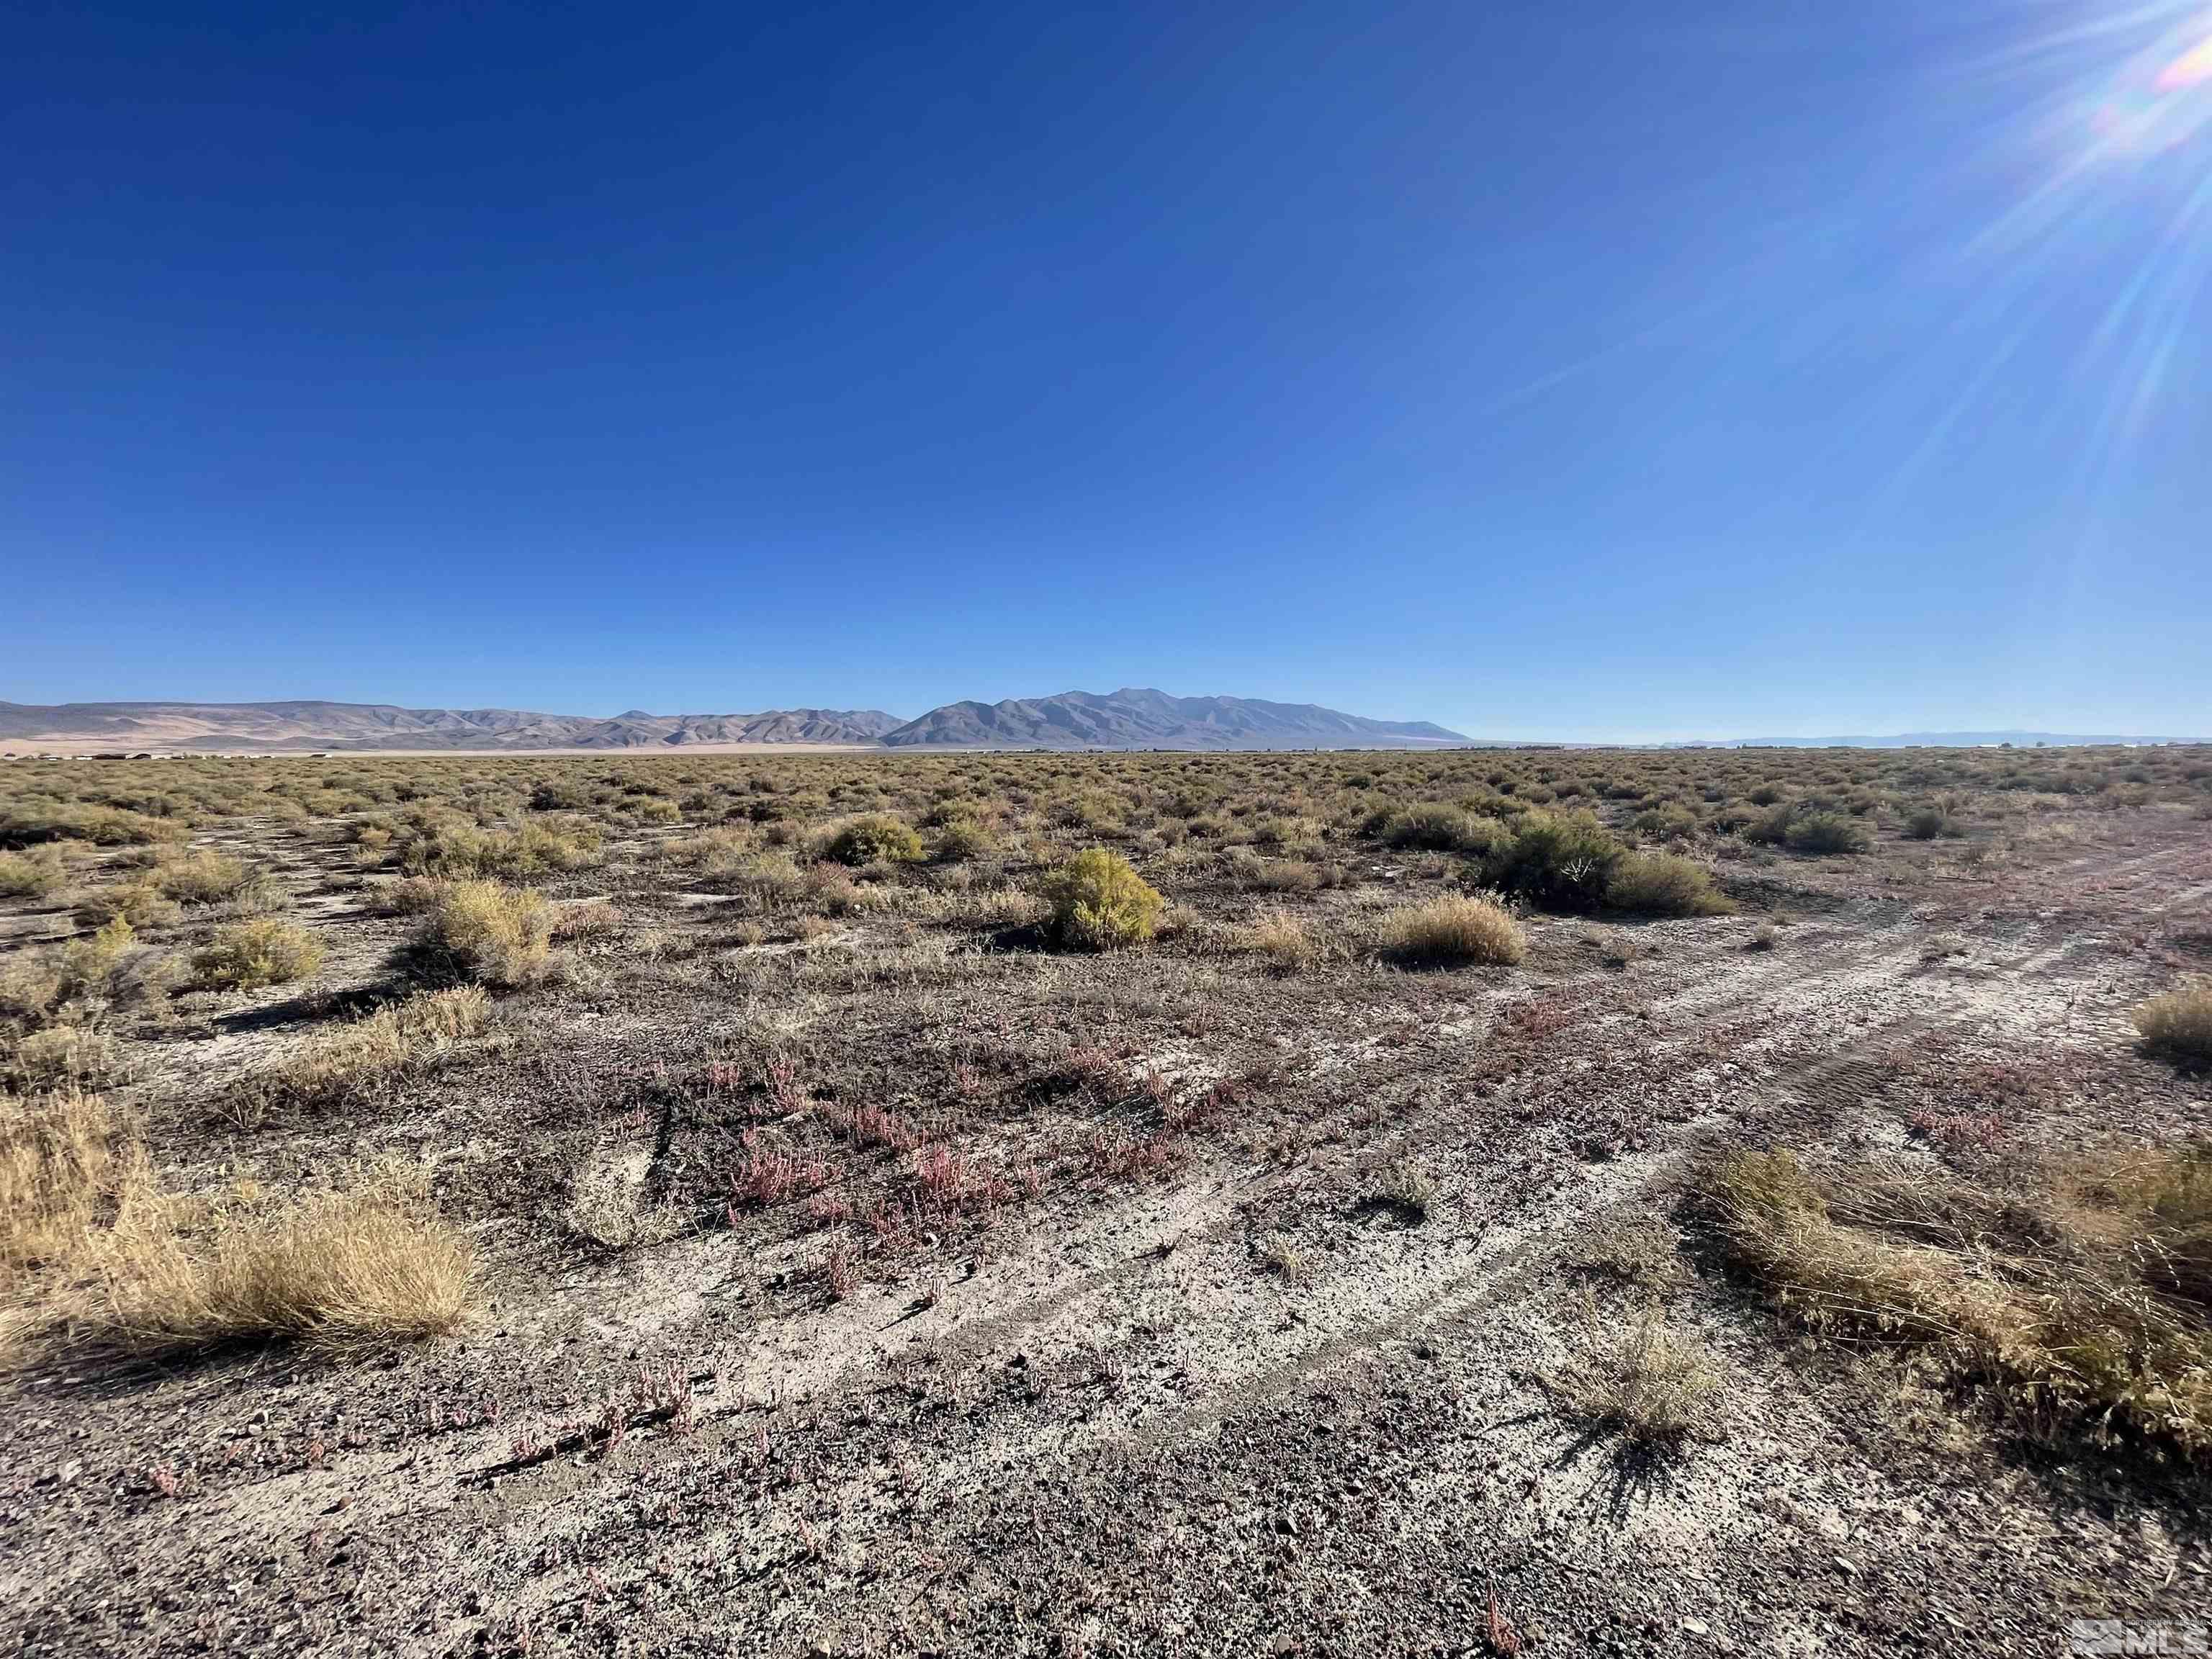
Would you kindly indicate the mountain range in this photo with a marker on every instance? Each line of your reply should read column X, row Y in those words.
column 1132, row 718
column 1136, row 718
column 1127, row 719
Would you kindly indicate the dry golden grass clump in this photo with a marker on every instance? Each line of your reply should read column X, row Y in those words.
column 1646, row 1380
column 484, row 931
column 93, row 1250
column 2179, row 1023
column 1099, row 901
column 1453, row 931
column 2082, row 1299
column 1283, row 939
column 248, row 955
column 1663, row 885
column 381, row 1046
column 65, row 1160
column 338, row 1269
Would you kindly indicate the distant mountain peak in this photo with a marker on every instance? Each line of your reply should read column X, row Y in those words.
column 1139, row 717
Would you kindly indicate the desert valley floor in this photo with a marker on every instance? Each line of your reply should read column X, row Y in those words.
column 844, row 1259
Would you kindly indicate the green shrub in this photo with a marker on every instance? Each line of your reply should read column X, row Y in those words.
column 88, row 963
column 1663, row 884
column 963, row 839
column 248, row 955
column 103, row 826
column 203, row 877
column 1669, row 822
column 138, row 901
column 876, row 837
column 38, row 873
column 559, row 795
column 1826, row 832
column 1927, row 823
column 1771, row 827
column 1098, row 902
column 1563, row 861
column 1437, row 828
column 1805, row 828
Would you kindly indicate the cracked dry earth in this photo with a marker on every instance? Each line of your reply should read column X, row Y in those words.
column 1104, row 1418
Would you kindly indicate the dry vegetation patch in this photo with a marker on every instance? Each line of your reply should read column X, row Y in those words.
column 2077, row 1292
column 488, row 932
column 1663, row 885
column 2179, row 1024
column 94, row 1251
column 372, row 1051
column 249, row 955
column 1643, row 1377
column 38, row 873
column 781, row 1062
column 338, row 1269
column 1453, row 931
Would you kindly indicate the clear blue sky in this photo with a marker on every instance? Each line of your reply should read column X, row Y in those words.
column 1577, row 368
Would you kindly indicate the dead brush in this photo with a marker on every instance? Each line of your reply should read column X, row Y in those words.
column 335, row 1269
column 1281, row 1257
column 2078, row 1296
column 2179, row 1024
column 1453, row 931
column 839, row 1271
column 1407, row 1188
column 356, row 1058
column 1958, row 1131
column 1646, row 1380
column 68, row 1161
column 589, row 920
column 1132, row 1158
column 1282, row 939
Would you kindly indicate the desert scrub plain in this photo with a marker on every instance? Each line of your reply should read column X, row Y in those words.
column 1305, row 1203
